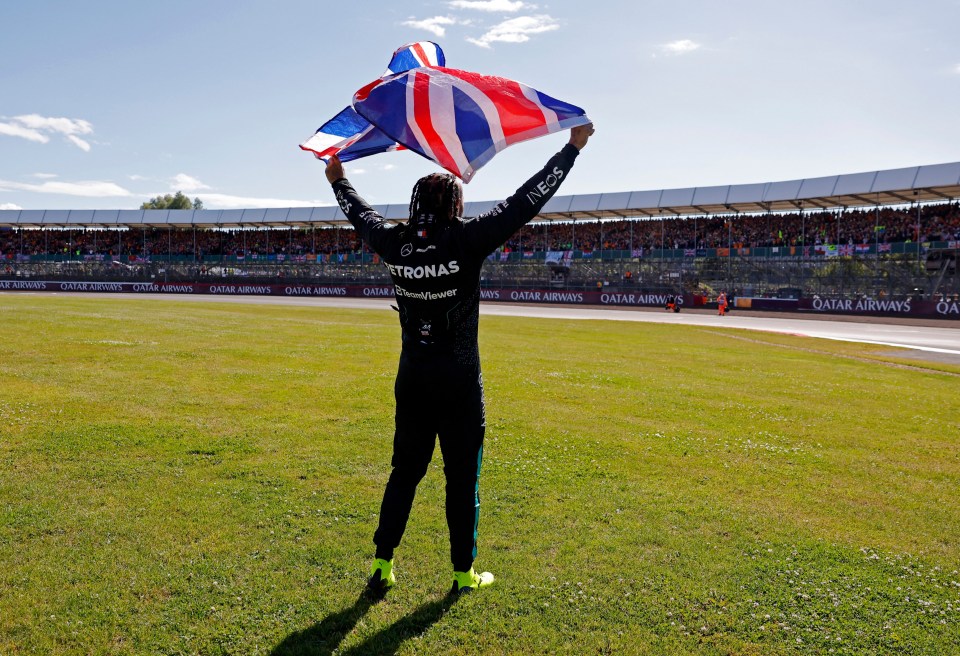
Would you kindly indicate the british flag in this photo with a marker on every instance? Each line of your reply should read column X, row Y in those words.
column 415, row 55
column 458, row 119
column 351, row 136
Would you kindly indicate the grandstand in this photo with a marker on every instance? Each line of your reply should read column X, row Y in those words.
column 889, row 234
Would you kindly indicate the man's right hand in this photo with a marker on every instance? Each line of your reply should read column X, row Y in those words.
column 580, row 135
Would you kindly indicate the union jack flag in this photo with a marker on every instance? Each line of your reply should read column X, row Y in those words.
column 458, row 119
column 415, row 55
column 846, row 249
column 351, row 136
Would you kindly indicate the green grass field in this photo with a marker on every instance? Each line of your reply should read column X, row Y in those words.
column 181, row 478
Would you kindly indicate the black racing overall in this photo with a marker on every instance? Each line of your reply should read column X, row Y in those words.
column 439, row 389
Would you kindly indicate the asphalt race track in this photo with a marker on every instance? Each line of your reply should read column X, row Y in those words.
column 942, row 340
column 927, row 339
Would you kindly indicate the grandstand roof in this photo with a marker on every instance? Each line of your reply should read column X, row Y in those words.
column 937, row 182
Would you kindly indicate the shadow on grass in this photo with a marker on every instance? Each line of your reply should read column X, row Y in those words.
column 324, row 638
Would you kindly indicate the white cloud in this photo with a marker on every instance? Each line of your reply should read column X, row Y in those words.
column 433, row 25
column 45, row 176
column 34, row 127
column 193, row 187
column 186, row 183
column 51, row 124
column 956, row 69
column 516, row 30
column 681, row 47
column 136, row 178
column 105, row 189
column 226, row 202
column 13, row 130
column 490, row 5
column 87, row 189
column 79, row 143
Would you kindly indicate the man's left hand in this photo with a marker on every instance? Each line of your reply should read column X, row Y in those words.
column 334, row 169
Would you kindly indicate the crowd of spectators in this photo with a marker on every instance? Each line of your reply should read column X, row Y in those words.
column 180, row 242
column 939, row 222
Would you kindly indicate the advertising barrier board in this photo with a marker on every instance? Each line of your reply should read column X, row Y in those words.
column 945, row 309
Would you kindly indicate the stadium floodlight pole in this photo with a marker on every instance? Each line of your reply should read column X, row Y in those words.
column 915, row 193
column 676, row 222
column 876, row 230
column 803, row 232
column 660, row 212
column 839, row 216
column 729, row 250
column 600, row 222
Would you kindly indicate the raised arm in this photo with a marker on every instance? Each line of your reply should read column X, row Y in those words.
column 490, row 230
column 368, row 223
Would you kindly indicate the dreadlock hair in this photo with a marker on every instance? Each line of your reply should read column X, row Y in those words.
column 435, row 200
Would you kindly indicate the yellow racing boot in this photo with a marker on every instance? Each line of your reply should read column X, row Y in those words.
column 464, row 582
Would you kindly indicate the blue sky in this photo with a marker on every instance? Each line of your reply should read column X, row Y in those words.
column 104, row 104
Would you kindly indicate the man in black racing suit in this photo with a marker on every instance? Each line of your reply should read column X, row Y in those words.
column 435, row 260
